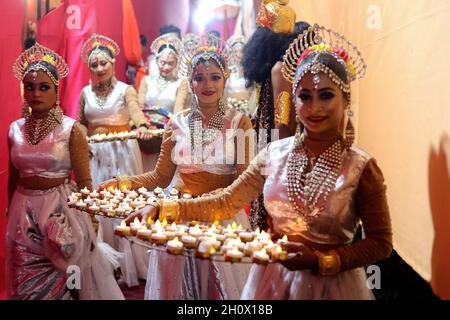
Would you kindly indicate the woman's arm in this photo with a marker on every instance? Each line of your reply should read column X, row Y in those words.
column 245, row 149
column 164, row 171
column 136, row 114
column 227, row 202
column 282, row 102
column 81, row 116
column 13, row 177
column 79, row 155
column 373, row 209
column 143, row 88
column 182, row 97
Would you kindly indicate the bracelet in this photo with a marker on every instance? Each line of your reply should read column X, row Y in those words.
column 168, row 209
column 283, row 108
column 123, row 183
column 329, row 262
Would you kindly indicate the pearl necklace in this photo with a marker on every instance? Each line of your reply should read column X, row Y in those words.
column 36, row 129
column 308, row 191
column 162, row 83
column 102, row 92
column 201, row 136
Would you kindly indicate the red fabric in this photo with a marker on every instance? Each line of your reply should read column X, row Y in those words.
column 140, row 74
column 151, row 15
column 58, row 31
column 11, row 21
column 130, row 36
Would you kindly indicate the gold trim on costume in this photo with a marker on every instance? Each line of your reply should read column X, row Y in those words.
column 283, row 107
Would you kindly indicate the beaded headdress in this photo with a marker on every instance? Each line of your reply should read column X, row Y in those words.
column 316, row 41
column 230, row 49
column 91, row 48
column 277, row 16
column 31, row 60
column 208, row 48
column 167, row 42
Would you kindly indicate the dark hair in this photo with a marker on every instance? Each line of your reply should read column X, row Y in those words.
column 104, row 49
column 301, row 26
column 47, row 65
column 167, row 45
column 170, row 29
column 214, row 33
column 264, row 49
column 143, row 39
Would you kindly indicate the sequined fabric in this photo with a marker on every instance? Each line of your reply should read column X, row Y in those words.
column 264, row 122
column 218, row 157
column 337, row 224
column 48, row 158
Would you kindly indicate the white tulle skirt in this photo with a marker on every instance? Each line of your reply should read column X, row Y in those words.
column 114, row 158
column 173, row 277
column 275, row 282
column 111, row 159
column 31, row 259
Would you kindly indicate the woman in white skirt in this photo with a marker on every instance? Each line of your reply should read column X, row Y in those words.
column 317, row 186
column 199, row 144
column 52, row 249
column 106, row 106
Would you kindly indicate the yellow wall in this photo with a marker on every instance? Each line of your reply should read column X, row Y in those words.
column 402, row 113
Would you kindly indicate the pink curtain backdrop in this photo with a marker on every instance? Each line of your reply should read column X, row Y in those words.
column 11, row 21
column 102, row 17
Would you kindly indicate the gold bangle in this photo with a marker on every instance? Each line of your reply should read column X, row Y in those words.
column 168, row 209
column 123, row 183
column 283, row 108
column 329, row 262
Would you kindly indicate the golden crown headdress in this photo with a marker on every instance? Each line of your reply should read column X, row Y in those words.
column 95, row 41
column 318, row 39
column 166, row 40
column 30, row 60
column 207, row 47
column 277, row 16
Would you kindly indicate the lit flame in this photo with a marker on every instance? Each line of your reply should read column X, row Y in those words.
column 123, row 224
column 164, row 223
column 278, row 249
column 216, row 222
column 149, row 220
column 234, row 225
column 212, row 251
column 285, row 238
column 136, row 221
column 257, row 231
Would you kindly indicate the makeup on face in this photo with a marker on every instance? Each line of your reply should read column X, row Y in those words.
column 39, row 91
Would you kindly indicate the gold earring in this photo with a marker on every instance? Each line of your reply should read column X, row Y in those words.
column 349, row 130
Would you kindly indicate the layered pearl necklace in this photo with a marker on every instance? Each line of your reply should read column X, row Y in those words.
column 36, row 129
column 201, row 136
column 308, row 191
